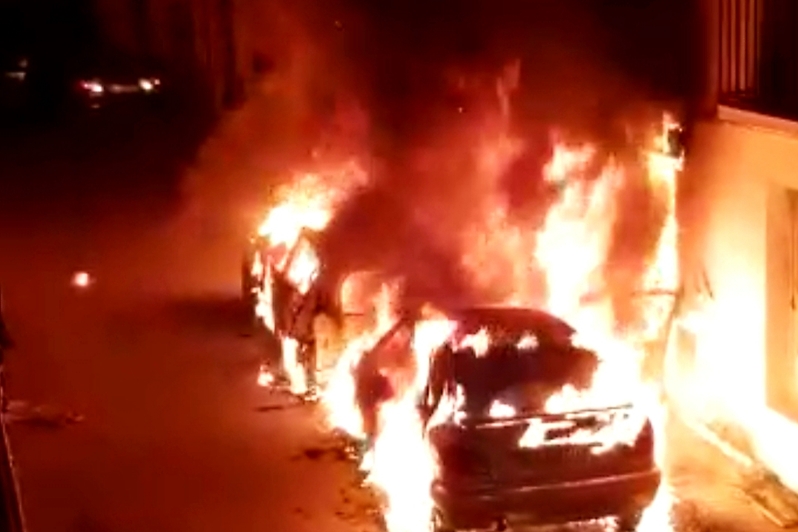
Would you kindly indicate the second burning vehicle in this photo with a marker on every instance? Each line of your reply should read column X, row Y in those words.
column 309, row 309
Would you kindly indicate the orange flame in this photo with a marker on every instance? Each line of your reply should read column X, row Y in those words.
column 570, row 249
column 307, row 202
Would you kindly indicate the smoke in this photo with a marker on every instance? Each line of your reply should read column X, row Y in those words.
column 298, row 97
column 460, row 136
column 411, row 92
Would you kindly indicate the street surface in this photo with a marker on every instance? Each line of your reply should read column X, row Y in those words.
column 149, row 417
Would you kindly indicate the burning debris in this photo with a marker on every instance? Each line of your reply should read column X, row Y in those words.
column 82, row 280
column 420, row 387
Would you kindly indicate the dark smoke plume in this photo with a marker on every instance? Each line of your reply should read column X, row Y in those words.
column 427, row 76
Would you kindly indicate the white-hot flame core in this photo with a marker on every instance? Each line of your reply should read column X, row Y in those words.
column 309, row 202
column 264, row 305
column 294, row 370
column 402, row 467
column 265, row 378
column 81, row 280
column 573, row 244
column 479, row 342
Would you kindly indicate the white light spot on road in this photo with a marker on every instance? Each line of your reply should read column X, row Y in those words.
column 82, row 280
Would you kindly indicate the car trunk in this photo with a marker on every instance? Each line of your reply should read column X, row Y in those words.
column 563, row 448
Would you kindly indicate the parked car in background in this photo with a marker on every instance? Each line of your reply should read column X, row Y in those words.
column 15, row 63
column 102, row 80
column 15, row 93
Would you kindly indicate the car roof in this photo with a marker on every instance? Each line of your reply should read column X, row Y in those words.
column 512, row 319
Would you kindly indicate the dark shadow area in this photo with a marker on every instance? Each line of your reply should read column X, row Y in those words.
column 101, row 163
column 87, row 129
column 281, row 407
column 339, row 452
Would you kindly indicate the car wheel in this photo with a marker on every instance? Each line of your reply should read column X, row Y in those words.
column 630, row 521
column 438, row 522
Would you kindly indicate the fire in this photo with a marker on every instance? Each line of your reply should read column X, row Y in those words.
column 339, row 396
column 479, row 342
column 570, row 249
column 264, row 306
column 305, row 268
column 307, row 202
column 572, row 246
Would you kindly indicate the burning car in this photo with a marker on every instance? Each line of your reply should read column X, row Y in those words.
column 503, row 448
column 275, row 275
column 311, row 310
column 279, row 284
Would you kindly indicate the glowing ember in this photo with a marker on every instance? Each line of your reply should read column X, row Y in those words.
column 82, row 280
column 265, row 378
column 479, row 342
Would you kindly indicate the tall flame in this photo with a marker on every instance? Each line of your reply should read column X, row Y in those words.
column 571, row 250
column 308, row 202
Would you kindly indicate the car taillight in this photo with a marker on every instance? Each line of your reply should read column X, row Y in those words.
column 462, row 461
column 91, row 87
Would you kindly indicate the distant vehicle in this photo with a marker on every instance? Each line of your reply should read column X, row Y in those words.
column 15, row 93
column 518, row 463
column 15, row 60
column 101, row 80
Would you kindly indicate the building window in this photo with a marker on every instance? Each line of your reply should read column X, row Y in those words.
column 758, row 55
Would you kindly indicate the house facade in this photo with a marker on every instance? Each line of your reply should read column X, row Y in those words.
column 734, row 356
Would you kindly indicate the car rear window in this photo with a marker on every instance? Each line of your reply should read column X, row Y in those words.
column 517, row 372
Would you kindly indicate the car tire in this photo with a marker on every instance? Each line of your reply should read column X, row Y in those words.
column 630, row 521
column 438, row 522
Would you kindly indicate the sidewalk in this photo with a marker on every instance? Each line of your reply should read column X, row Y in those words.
column 710, row 487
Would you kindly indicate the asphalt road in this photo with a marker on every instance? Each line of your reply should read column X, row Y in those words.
column 173, row 432
column 174, row 435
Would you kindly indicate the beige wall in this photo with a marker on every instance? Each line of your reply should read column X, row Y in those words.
column 735, row 226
